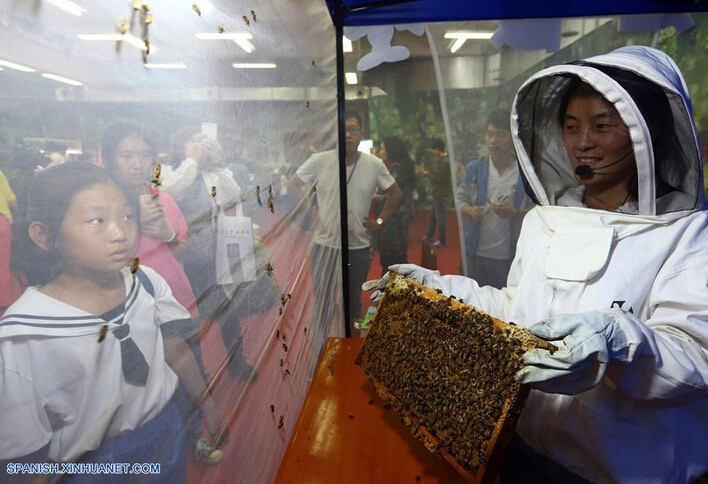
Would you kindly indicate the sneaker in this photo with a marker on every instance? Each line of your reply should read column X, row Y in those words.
column 438, row 244
column 207, row 453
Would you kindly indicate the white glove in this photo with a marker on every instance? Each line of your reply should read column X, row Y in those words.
column 590, row 342
column 419, row 274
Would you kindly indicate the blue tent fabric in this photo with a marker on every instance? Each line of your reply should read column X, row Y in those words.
column 414, row 11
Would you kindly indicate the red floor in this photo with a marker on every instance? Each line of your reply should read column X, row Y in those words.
column 448, row 257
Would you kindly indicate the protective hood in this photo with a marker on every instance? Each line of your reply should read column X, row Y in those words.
column 640, row 82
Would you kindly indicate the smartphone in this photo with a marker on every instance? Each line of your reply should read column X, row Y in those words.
column 210, row 130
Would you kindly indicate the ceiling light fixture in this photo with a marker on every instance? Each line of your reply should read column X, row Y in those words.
column 241, row 38
column 351, row 77
column 17, row 67
column 174, row 65
column 65, row 80
column 468, row 35
column 68, row 6
column 128, row 38
column 462, row 36
column 457, row 44
column 346, row 44
column 254, row 65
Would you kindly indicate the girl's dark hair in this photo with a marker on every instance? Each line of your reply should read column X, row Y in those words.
column 49, row 195
column 117, row 132
column 397, row 152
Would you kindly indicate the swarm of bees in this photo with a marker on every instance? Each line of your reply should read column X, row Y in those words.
column 135, row 265
column 448, row 369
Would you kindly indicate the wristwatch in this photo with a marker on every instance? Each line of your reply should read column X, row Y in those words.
column 379, row 221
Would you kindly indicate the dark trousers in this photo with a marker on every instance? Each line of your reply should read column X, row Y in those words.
column 388, row 259
column 359, row 265
column 326, row 283
column 523, row 465
column 488, row 272
column 437, row 219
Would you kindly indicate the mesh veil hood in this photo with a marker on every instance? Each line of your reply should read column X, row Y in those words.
column 669, row 170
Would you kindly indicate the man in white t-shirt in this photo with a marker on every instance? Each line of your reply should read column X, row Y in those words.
column 365, row 173
column 491, row 197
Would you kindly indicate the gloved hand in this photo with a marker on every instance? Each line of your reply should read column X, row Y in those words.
column 590, row 342
column 419, row 274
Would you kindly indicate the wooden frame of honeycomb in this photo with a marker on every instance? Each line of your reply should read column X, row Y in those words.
column 449, row 371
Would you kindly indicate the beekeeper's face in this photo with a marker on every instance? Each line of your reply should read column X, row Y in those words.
column 595, row 135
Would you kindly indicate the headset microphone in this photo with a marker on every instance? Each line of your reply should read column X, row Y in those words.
column 586, row 172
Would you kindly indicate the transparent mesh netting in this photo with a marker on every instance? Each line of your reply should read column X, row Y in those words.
column 231, row 99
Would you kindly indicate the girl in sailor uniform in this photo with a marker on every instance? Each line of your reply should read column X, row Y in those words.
column 90, row 354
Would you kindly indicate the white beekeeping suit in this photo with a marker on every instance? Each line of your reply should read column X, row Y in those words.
column 635, row 279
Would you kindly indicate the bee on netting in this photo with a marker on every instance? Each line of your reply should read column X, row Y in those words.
column 123, row 26
column 258, row 195
column 145, row 7
column 277, row 333
column 314, row 189
column 246, row 20
column 196, row 8
column 253, row 14
column 285, row 347
column 148, row 18
column 135, row 265
column 307, row 104
column 281, row 362
column 287, row 372
column 280, row 422
column 156, row 171
column 313, row 63
column 351, row 416
column 270, row 205
column 270, row 190
column 102, row 334
column 146, row 52
column 269, row 268
column 137, row 4
column 272, row 408
column 213, row 192
column 304, row 330
column 221, row 28
column 280, row 311
column 284, row 298
column 284, row 336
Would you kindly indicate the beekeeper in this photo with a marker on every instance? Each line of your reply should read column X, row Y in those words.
column 613, row 264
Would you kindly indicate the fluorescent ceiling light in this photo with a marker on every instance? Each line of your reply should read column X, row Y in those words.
column 245, row 45
column 254, row 65
column 174, row 65
column 350, row 77
column 18, row 67
column 469, row 35
column 457, row 44
column 68, row 6
column 241, row 38
column 65, row 80
column 129, row 38
column 346, row 44
column 224, row 36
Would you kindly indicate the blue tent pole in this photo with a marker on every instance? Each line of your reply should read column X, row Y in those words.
column 341, row 121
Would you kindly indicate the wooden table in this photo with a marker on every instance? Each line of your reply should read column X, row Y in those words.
column 342, row 438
